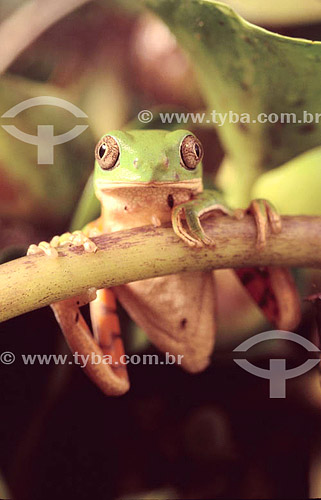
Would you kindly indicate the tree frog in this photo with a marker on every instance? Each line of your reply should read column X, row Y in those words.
column 154, row 177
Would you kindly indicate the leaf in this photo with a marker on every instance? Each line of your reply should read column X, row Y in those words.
column 31, row 191
column 104, row 99
column 27, row 23
column 88, row 207
column 246, row 69
column 295, row 187
column 275, row 12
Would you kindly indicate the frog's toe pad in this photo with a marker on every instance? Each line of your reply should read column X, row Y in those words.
column 75, row 239
column 78, row 238
column 206, row 240
column 43, row 248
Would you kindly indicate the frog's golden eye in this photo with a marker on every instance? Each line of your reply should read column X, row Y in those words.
column 107, row 152
column 191, row 152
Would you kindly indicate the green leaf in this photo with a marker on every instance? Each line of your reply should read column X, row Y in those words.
column 275, row 12
column 88, row 207
column 246, row 69
column 295, row 187
column 31, row 191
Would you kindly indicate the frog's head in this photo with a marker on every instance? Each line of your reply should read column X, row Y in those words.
column 148, row 158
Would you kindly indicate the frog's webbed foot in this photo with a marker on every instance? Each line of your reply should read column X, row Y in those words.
column 264, row 214
column 77, row 238
column 110, row 376
column 191, row 212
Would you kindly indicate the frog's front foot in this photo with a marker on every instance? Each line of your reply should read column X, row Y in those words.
column 43, row 247
column 264, row 213
column 77, row 238
column 196, row 236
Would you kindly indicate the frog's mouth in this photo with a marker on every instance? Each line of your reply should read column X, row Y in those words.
column 194, row 185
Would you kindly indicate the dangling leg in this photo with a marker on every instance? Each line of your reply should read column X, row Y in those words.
column 111, row 377
column 106, row 328
column 272, row 288
column 112, row 381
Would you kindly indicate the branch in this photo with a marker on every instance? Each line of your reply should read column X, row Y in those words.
column 36, row 281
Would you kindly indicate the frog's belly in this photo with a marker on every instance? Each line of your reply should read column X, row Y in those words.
column 177, row 312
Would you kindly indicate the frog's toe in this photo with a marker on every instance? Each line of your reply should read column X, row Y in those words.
column 80, row 239
column 239, row 213
column 54, row 242
column 195, row 239
column 43, row 248
column 177, row 223
column 206, row 240
column 274, row 217
column 194, row 236
column 264, row 214
column 76, row 239
column 188, row 238
column 196, row 229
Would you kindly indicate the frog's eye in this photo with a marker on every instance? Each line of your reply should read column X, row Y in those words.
column 191, row 152
column 107, row 152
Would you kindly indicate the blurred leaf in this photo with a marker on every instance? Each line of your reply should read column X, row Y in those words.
column 158, row 123
column 87, row 47
column 295, row 187
column 27, row 23
column 104, row 99
column 275, row 12
column 87, row 209
column 40, row 193
column 246, row 69
column 162, row 71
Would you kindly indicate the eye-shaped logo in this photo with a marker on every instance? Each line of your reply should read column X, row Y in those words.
column 45, row 139
column 277, row 374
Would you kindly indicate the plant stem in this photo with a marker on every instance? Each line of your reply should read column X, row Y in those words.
column 38, row 280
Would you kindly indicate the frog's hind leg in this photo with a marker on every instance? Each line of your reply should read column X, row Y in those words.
column 274, row 290
column 106, row 329
column 110, row 376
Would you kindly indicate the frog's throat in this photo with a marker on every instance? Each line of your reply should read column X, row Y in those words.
column 194, row 185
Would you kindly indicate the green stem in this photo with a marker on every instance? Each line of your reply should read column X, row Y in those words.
column 36, row 281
